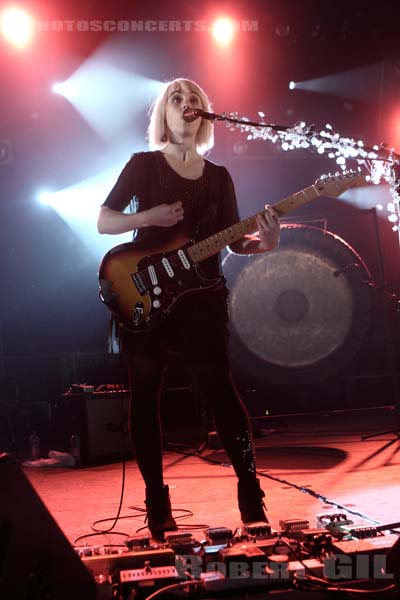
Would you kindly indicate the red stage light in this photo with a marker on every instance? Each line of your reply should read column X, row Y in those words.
column 17, row 26
column 223, row 31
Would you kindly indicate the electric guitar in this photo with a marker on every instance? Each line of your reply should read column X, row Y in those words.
column 141, row 285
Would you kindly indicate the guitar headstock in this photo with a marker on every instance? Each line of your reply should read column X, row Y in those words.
column 335, row 185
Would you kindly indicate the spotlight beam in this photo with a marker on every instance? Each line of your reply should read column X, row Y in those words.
column 78, row 206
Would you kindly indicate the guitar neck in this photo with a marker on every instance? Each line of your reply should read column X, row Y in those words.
column 217, row 242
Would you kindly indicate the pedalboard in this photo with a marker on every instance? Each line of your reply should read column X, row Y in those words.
column 248, row 558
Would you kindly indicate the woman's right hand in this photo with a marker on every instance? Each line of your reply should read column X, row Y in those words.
column 164, row 215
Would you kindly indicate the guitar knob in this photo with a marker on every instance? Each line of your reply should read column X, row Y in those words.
column 156, row 304
column 157, row 290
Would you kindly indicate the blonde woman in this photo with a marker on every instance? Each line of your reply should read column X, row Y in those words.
column 175, row 191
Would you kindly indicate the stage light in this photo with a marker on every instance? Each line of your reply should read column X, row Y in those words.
column 223, row 30
column 57, row 88
column 353, row 84
column 282, row 30
column 98, row 89
column 66, row 89
column 17, row 26
column 45, row 198
column 292, row 85
column 78, row 206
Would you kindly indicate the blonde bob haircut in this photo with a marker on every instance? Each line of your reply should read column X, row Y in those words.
column 157, row 131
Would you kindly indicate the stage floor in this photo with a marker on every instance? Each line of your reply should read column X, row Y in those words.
column 321, row 453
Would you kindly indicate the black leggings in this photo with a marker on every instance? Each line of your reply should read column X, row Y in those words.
column 215, row 385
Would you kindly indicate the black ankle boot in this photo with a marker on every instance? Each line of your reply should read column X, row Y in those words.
column 251, row 504
column 159, row 514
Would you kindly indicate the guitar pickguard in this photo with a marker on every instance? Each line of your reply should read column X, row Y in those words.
column 141, row 290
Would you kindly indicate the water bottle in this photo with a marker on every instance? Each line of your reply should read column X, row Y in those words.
column 34, row 446
column 75, row 448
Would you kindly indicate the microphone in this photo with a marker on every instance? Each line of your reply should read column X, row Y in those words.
column 191, row 114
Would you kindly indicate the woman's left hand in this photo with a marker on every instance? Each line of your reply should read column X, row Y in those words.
column 268, row 229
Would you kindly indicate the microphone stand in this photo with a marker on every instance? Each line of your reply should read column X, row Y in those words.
column 236, row 121
column 386, row 155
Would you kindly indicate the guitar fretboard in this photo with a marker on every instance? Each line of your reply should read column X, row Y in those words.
column 213, row 244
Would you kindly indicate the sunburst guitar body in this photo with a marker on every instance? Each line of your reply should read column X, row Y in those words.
column 141, row 284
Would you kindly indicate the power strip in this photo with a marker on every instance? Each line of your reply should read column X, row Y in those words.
column 148, row 575
column 108, row 565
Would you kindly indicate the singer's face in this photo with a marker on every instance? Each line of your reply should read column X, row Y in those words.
column 178, row 101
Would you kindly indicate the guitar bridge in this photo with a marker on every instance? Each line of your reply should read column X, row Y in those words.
column 138, row 313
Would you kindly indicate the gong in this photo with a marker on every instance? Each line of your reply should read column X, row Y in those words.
column 302, row 311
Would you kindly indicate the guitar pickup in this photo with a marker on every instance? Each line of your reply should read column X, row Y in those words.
column 139, row 283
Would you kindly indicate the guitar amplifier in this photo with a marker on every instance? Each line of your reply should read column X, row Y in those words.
column 101, row 421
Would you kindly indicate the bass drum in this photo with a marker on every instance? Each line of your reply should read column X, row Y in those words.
column 300, row 313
